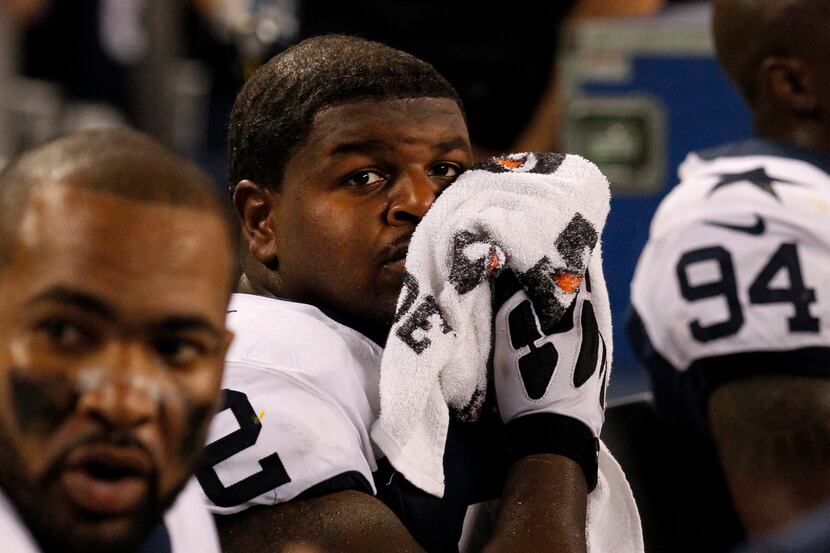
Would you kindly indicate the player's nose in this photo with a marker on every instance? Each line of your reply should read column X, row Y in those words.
column 411, row 198
column 124, row 394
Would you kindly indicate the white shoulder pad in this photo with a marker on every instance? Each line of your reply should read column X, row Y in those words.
column 189, row 524
column 297, row 408
column 16, row 536
column 743, row 273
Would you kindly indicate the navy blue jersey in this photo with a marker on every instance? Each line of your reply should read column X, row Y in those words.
column 475, row 467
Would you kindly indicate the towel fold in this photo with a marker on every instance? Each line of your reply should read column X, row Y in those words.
column 612, row 522
column 539, row 215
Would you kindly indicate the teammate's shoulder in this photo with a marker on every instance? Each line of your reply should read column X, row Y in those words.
column 757, row 162
column 189, row 523
column 16, row 536
column 756, row 176
column 251, row 313
column 272, row 332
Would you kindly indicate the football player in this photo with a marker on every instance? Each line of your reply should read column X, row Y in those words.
column 116, row 265
column 338, row 147
column 731, row 291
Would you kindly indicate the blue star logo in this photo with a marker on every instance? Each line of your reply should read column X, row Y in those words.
column 756, row 177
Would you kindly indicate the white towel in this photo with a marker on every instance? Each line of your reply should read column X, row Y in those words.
column 538, row 214
column 612, row 523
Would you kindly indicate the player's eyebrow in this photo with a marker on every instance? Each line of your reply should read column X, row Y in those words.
column 76, row 298
column 370, row 146
column 359, row 147
column 457, row 143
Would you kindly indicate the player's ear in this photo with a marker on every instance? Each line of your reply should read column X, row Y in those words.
column 255, row 208
column 790, row 84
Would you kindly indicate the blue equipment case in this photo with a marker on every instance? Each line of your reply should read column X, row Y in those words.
column 641, row 94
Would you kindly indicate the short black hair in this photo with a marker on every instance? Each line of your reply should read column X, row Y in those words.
column 275, row 109
column 121, row 162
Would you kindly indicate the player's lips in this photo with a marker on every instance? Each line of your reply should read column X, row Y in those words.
column 107, row 479
column 395, row 257
column 397, row 264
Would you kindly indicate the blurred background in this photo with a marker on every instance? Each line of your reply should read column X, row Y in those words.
column 630, row 84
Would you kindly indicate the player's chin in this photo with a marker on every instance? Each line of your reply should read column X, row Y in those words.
column 386, row 299
column 71, row 525
column 84, row 533
column 377, row 313
column 376, row 320
column 390, row 277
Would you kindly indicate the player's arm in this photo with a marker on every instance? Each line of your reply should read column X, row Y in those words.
column 550, row 390
column 346, row 521
column 773, row 438
column 542, row 507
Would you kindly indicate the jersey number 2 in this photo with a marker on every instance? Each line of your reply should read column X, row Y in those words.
column 272, row 474
column 760, row 291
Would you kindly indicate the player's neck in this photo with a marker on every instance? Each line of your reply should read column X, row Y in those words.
column 810, row 135
column 247, row 285
column 375, row 332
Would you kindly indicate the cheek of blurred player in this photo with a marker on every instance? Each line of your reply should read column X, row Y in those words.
column 111, row 352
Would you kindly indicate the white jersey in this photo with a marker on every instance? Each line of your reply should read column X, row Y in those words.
column 15, row 535
column 734, row 274
column 301, row 393
column 187, row 527
column 300, row 396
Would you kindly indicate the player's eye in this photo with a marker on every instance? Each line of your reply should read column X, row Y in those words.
column 364, row 178
column 65, row 334
column 446, row 170
column 180, row 351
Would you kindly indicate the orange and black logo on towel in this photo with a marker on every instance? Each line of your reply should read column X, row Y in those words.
column 513, row 162
column 567, row 281
column 526, row 162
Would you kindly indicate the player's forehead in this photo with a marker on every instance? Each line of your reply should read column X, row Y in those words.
column 62, row 205
column 384, row 124
column 123, row 251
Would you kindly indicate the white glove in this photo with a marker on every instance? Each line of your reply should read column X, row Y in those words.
column 550, row 389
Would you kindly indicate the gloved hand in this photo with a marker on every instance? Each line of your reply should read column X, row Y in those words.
column 550, row 388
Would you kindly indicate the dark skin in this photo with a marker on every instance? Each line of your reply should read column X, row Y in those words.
column 539, row 511
column 111, row 352
column 773, row 437
column 338, row 230
column 785, row 76
column 343, row 521
column 772, row 432
column 335, row 236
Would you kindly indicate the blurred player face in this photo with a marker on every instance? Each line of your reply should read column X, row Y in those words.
column 111, row 348
column 352, row 195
